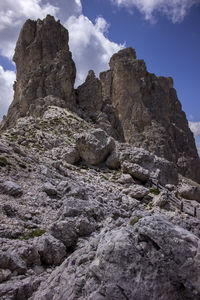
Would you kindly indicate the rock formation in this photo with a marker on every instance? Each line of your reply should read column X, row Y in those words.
column 44, row 67
column 149, row 111
column 84, row 213
column 127, row 102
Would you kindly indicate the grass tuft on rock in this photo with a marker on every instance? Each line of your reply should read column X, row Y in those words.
column 32, row 234
column 154, row 191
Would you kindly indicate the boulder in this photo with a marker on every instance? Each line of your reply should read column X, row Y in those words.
column 113, row 161
column 190, row 192
column 84, row 226
column 137, row 191
column 136, row 171
column 11, row 188
column 12, row 262
column 94, row 146
column 71, row 155
column 49, row 189
column 51, row 250
column 65, row 231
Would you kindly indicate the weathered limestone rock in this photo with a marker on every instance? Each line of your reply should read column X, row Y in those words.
column 149, row 259
column 137, row 191
column 136, row 171
column 65, row 232
column 51, row 250
column 149, row 111
column 12, row 262
column 94, row 146
column 143, row 165
column 49, row 189
column 10, row 188
column 44, row 67
column 189, row 192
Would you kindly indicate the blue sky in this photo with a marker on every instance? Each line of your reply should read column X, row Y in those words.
column 165, row 33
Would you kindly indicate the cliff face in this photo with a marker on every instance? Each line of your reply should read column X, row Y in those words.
column 149, row 111
column 127, row 102
column 44, row 67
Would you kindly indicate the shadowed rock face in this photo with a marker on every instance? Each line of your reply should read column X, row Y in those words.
column 149, row 111
column 44, row 67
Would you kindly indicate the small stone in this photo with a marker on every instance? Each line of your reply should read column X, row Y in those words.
column 113, row 161
column 11, row 188
column 5, row 274
column 135, row 171
column 137, row 191
column 84, row 226
column 126, row 179
column 71, row 155
column 49, row 189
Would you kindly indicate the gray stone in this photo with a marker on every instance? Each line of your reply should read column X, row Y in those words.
column 13, row 262
column 126, row 179
column 51, row 250
column 189, row 192
column 84, row 226
column 113, row 161
column 137, row 191
column 71, row 155
column 65, row 231
column 49, row 189
column 94, row 146
column 161, row 200
column 135, row 171
column 150, row 259
column 11, row 188
column 28, row 253
column 5, row 274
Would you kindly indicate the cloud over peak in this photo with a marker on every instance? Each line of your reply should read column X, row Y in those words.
column 195, row 128
column 88, row 41
column 175, row 10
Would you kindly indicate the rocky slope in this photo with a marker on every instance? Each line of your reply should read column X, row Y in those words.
column 83, row 214
column 85, row 217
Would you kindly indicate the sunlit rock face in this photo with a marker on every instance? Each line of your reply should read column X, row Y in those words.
column 149, row 111
column 44, row 68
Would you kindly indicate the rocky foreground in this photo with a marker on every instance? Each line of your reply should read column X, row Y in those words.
column 97, row 198
column 85, row 217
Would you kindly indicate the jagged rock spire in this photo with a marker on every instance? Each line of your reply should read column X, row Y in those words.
column 44, row 68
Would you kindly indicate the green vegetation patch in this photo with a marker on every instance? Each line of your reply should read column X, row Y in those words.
column 135, row 220
column 32, row 234
column 154, row 191
column 4, row 162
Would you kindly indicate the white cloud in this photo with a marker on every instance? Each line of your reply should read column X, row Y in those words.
column 175, row 10
column 89, row 45
column 6, row 90
column 195, row 128
column 12, row 16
